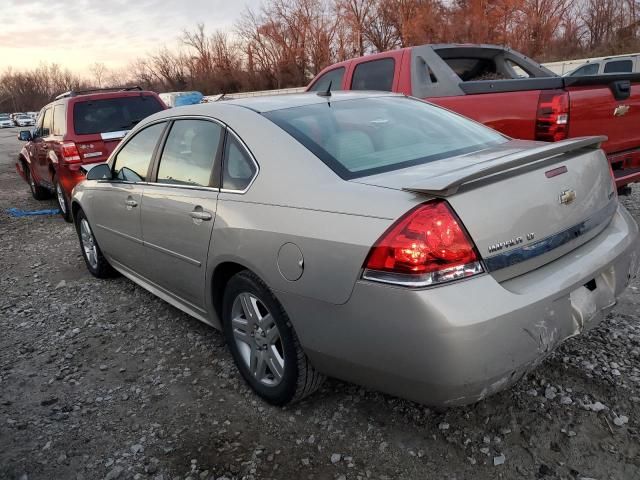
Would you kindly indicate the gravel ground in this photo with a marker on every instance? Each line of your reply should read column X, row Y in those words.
column 100, row 379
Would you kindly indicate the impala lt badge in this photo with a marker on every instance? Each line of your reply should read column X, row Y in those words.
column 621, row 110
column 512, row 242
column 567, row 197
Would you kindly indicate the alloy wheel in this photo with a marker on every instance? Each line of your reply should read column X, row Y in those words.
column 258, row 339
column 61, row 200
column 88, row 243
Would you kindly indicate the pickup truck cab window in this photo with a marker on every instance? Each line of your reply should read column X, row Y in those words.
column 374, row 75
column 334, row 77
column 590, row 69
column 189, row 153
column 133, row 160
column 618, row 66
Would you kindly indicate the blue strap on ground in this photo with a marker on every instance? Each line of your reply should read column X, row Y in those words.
column 16, row 212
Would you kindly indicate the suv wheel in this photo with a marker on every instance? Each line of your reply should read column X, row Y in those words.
column 63, row 204
column 263, row 343
column 38, row 192
column 93, row 257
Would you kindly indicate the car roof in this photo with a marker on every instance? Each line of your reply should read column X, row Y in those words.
column 270, row 103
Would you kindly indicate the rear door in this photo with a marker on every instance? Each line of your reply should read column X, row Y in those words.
column 179, row 208
column 115, row 204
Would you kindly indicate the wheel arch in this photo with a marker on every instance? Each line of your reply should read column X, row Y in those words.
column 221, row 275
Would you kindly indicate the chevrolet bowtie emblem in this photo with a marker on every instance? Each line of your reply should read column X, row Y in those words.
column 621, row 110
column 567, row 197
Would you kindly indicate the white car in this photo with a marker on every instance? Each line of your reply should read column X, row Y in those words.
column 22, row 120
column 5, row 121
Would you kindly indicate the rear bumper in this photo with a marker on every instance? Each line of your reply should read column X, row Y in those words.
column 626, row 167
column 458, row 343
column 69, row 176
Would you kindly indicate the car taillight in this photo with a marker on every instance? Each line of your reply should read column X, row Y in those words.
column 427, row 246
column 70, row 153
column 552, row 117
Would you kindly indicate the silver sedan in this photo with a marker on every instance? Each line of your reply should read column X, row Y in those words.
column 366, row 236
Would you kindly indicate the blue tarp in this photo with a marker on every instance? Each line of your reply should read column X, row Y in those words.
column 16, row 212
column 188, row 98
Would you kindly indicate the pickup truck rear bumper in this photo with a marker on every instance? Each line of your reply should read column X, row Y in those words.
column 626, row 167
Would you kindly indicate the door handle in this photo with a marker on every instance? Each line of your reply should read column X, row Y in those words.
column 200, row 215
column 131, row 203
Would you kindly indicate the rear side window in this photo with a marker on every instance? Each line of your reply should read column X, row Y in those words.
column 619, row 66
column 374, row 75
column 132, row 162
column 59, row 120
column 363, row 137
column 333, row 77
column 238, row 168
column 189, row 153
column 112, row 114
column 591, row 69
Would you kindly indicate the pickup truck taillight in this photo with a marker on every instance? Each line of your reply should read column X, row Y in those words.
column 70, row 153
column 427, row 246
column 552, row 117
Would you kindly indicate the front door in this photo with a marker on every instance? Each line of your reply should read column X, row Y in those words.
column 179, row 209
column 40, row 163
column 116, row 203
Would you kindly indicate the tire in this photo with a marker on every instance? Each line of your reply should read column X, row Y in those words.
column 282, row 372
column 62, row 201
column 97, row 265
column 38, row 192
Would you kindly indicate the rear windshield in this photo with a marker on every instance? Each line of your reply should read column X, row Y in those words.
column 112, row 114
column 361, row 137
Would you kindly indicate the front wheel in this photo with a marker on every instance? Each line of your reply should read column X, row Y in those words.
column 93, row 257
column 63, row 204
column 263, row 343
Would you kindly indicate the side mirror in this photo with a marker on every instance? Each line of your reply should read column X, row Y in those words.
column 100, row 171
column 25, row 136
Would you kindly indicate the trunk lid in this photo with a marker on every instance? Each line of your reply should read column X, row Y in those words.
column 524, row 204
column 97, row 147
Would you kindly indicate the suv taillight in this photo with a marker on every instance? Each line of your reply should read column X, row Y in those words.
column 552, row 117
column 70, row 153
column 427, row 246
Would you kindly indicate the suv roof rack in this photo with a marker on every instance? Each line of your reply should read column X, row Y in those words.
column 74, row 93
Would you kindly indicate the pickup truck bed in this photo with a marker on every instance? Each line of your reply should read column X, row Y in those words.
column 509, row 92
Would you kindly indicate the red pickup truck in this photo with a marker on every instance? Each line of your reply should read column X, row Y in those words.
column 509, row 92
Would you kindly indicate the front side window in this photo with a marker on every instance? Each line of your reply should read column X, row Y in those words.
column 374, row 75
column 132, row 162
column 189, row 153
column 619, row 66
column 333, row 77
column 47, row 123
column 363, row 137
column 237, row 167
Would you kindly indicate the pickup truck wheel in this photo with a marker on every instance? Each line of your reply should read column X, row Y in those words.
column 263, row 343
column 93, row 257
column 63, row 204
column 38, row 192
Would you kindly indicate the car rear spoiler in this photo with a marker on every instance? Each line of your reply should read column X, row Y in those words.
column 448, row 183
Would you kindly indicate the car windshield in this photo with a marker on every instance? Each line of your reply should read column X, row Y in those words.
column 112, row 114
column 365, row 136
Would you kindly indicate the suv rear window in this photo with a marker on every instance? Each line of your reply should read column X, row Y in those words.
column 356, row 138
column 112, row 114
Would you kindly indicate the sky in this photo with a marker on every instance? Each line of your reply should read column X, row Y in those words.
column 78, row 33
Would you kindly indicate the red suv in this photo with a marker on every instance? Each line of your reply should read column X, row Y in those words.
column 78, row 127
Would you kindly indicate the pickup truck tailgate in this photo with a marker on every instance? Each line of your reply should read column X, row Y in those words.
column 594, row 106
column 523, row 206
